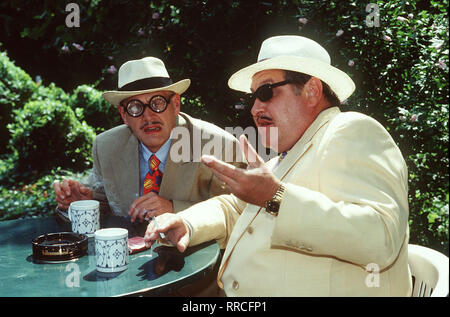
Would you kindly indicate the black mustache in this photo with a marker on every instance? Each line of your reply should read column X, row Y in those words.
column 149, row 123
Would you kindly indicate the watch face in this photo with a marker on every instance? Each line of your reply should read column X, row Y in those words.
column 273, row 206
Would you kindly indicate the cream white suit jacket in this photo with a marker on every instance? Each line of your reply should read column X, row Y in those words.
column 115, row 175
column 342, row 227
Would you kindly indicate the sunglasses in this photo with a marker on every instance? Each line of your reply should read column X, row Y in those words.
column 264, row 93
column 157, row 103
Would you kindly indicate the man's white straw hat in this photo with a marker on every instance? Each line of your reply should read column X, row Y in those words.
column 143, row 76
column 299, row 54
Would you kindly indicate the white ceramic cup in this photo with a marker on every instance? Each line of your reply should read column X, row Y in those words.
column 85, row 216
column 111, row 249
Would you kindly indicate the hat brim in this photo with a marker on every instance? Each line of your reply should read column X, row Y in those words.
column 115, row 97
column 341, row 84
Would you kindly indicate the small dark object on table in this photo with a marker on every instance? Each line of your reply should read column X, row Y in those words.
column 59, row 247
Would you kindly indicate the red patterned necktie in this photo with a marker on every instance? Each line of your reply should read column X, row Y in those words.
column 152, row 181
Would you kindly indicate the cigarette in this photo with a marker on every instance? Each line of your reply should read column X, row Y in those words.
column 161, row 234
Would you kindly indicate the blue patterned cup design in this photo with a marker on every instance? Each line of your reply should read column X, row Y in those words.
column 111, row 250
column 85, row 216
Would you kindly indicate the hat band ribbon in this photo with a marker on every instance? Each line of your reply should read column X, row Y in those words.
column 146, row 83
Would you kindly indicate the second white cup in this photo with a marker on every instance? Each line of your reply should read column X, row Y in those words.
column 85, row 216
column 111, row 250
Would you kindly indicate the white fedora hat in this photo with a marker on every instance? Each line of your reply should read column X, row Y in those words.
column 299, row 54
column 143, row 76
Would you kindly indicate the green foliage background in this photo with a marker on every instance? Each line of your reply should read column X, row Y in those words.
column 400, row 69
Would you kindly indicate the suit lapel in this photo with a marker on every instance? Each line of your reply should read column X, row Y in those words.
column 171, row 177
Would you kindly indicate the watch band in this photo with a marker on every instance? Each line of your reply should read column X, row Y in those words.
column 273, row 205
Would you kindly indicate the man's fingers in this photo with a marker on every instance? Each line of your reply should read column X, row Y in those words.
column 146, row 214
column 60, row 195
column 136, row 202
column 85, row 191
column 183, row 242
column 134, row 214
column 222, row 168
column 172, row 226
column 139, row 204
column 68, row 191
column 228, row 174
column 150, row 236
column 153, row 233
column 231, row 183
column 65, row 186
column 253, row 159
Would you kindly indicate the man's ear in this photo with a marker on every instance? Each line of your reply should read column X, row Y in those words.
column 313, row 91
column 122, row 114
column 176, row 101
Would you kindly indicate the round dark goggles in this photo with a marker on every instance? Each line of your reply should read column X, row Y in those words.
column 157, row 103
column 264, row 92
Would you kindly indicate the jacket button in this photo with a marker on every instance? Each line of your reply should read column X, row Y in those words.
column 250, row 230
column 235, row 285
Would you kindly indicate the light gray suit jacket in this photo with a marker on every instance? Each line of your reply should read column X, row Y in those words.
column 115, row 175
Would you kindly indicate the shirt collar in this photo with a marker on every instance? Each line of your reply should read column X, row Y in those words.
column 161, row 154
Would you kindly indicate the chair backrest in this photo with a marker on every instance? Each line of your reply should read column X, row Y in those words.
column 429, row 269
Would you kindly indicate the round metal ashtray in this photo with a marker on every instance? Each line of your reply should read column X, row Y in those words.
column 59, row 247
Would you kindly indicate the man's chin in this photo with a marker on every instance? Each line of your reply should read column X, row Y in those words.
column 153, row 141
column 269, row 137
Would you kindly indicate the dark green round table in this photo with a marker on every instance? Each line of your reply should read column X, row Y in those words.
column 155, row 272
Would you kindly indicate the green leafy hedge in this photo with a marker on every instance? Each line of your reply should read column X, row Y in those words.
column 46, row 134
column 88, row 103
column 400, row 68
column 44, row 137
column 36, row 199
column 16, row 87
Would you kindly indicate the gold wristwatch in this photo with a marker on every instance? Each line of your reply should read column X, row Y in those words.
column 273, row 205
